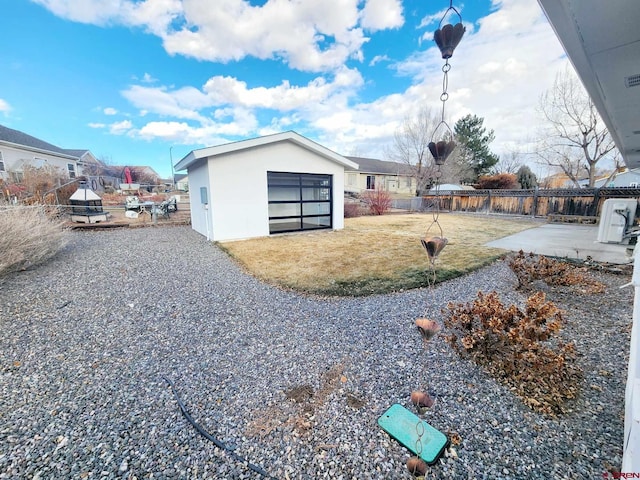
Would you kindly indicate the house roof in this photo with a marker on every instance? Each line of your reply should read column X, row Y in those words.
column 75, row 152
column 372, row 165
column 21, row 139
column 450, row 187
column 289, row 136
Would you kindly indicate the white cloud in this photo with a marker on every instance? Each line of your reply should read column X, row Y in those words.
column 309, row 36
column 4, row 106
column 382, row 14
column 182, row 103
column 189, row 102
column 312, row 36
column 378, row 59
column 120, row 128
column 147, row 78
column 499, row 71
column 96, row 125
column 154, row 15
column 110, row 111
column 501, row 67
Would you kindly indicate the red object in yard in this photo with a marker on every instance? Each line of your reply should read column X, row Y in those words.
column 127, row 175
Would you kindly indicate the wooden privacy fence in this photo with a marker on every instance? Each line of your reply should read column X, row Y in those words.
column 584, row 202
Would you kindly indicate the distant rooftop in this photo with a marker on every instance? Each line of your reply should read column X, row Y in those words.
column 372, row 165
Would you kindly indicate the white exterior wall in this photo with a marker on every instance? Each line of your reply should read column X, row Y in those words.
column 15, row 158
column 631, row 448
column 201, row 215
column 239, row 193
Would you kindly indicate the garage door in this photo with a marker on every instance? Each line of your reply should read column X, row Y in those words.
column 299, row 201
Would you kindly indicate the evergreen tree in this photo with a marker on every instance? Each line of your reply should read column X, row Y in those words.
column 526, row 178
column 473, row 141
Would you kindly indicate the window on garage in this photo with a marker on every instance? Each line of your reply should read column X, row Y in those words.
column 299, row 201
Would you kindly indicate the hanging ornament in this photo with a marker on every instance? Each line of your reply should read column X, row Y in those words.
column 448, row 37
column 433, row 246
column 441, row 150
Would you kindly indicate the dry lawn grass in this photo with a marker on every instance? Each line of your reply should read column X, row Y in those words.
column 373, row 254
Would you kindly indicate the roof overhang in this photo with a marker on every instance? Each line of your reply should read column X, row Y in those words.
column 602, row 40
column 196, row 156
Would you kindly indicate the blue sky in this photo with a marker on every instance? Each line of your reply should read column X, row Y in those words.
column 140, row 81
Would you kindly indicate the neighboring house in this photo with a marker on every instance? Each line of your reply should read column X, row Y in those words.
column 87, row 163
column 181, row 182
column 371, row 174
column 266, row 185
column 19, row 151
column 145, row 175
column 557, row 180
column 628, row 178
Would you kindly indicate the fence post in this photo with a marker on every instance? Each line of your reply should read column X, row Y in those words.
column 535, row 202
column 596, row 202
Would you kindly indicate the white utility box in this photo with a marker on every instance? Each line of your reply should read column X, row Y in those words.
column 617, row 216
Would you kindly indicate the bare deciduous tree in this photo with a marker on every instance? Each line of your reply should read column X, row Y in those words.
column 576, row 138
column 508, row 163
column 411, row 147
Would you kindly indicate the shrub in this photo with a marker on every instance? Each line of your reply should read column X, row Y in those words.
column 352, row 209
column 501, row 181
column 29, row 237
column 529, row 268
column 378, row 200
column 515, row 347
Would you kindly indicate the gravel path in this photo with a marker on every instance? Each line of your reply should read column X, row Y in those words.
column 294, row 383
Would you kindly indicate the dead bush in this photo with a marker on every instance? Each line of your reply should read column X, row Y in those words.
column 352, row 210
column 378, row 200
column 529, row 268
column 518, row 347
column 29, row 237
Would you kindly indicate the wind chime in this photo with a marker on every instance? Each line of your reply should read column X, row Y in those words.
column 441, row 146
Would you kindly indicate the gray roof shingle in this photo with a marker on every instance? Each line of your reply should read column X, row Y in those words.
column 371, row 165
column 20, row 138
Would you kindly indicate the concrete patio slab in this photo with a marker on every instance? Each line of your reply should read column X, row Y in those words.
column 566, row 241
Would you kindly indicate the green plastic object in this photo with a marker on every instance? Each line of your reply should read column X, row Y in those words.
column 403, row 425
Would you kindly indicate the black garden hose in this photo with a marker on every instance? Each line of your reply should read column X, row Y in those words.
column 211, row 438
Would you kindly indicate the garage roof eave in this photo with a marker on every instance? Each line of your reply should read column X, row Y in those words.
column 291, row 136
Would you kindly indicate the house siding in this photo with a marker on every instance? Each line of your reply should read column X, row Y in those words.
column 15, row 159
column 401, row 184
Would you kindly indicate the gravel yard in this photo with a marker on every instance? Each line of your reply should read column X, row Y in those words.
column 293, row 383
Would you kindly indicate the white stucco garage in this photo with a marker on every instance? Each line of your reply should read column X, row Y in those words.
column 263, row 186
